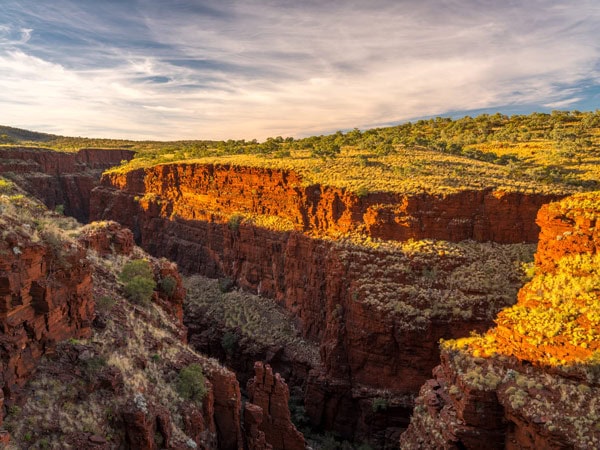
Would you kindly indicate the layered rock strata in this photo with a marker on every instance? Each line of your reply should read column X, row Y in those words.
column 270, row 393
column 45, row 298
column 59, row 178
column 203, row 192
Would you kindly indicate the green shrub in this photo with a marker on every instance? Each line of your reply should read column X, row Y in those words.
column 6, row 186
column 362, row 191
column 138, row 281
column 168, row 285
column 140, row 290
column 226, row 284
column 379, row 404
column 94, row 365
column 234, row 222
column 136, row 267
column 229, row 342
column 190, row 383
column 105, row 303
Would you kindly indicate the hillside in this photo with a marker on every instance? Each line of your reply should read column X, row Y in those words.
column 94, row 351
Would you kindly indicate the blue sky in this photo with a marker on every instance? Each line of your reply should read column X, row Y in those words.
column 185, row 69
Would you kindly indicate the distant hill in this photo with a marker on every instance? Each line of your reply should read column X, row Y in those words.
column 10, row 135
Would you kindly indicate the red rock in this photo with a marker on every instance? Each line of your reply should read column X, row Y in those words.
column 227, row 408
column 144, row 422
column 172, row 210
column 166, row 274
column 4, row 437
column 198, row 192
column 270, row 392
column 107, row 238
column 60, row 178
column 486, row 418
column 95, row 439
column 43, row 300
column 253, row 419
column 561, row 235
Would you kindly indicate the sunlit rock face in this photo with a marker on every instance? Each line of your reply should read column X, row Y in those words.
column 533, row 380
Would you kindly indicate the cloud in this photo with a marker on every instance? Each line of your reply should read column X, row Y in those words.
column 563, row 103
column 180, row 69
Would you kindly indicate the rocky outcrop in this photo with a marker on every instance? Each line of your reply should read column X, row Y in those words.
column 107, row 238
column 228, row 409
column 45, row 298
column 253, row 419
column 60, row 178
column 567, row 228
column 269, row 392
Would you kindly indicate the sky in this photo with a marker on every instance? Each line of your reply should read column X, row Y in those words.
column 191, row 69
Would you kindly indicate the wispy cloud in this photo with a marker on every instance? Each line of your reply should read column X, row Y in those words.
column 185, row 69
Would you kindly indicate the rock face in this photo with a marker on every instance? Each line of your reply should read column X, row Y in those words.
column 45, row 297
column 199, row 192
column 183, row 212
column 59, row 178
column 269, row 392
column 522, row 385
column 107, row 238
column 567, row 229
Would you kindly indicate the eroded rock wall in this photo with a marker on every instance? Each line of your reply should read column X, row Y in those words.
column 516, row 398
column 182, row 212
column 45, row 298
column 270, row 393
column 199, row 192
column 59, row 178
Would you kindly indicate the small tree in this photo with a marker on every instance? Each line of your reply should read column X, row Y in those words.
column 190, row 383
column 168, row 285
column 327, row 148
column 138, row 281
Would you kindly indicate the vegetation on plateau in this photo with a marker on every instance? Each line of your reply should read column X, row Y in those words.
column 419, row 281
column 557, row 152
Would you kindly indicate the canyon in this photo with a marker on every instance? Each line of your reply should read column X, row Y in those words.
column 377, row 341
column 60, row 178
column 189, row 214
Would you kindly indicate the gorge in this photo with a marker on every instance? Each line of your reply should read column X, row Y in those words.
column 371, row 283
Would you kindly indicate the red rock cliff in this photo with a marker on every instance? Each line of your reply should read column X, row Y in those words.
column 567, row 228
column 269, row 392
column 201, row 192
column 59, row 178
column 45, row 297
